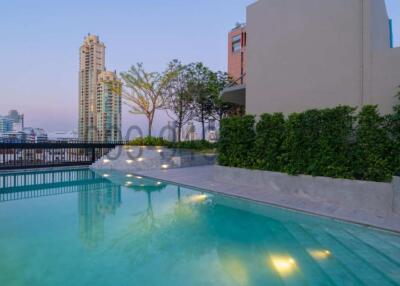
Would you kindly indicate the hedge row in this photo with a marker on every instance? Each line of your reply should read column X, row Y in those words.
column 332, row 142
column 199, row 145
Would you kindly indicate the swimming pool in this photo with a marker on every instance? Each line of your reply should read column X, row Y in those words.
column 76, row 227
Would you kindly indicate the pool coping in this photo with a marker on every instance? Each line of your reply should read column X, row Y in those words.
column 188, row 177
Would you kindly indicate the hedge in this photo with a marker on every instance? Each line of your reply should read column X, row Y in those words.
column 332, row 142
column 199, row 145
column 236, row 143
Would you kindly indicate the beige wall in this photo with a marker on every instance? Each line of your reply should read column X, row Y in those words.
column 319, row 53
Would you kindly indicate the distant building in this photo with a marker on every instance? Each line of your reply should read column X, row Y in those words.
column 6, row 124
column 13, row 137
column 316, row 54
column 18, row 120
column 35, row 135
column 92, row 63
column 96, row 95
column 108, row 107
column 62, row 136
column 29, row 135
column 40, row 135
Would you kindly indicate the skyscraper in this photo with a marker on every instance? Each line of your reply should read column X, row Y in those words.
column 96, row 94
column 108, row 107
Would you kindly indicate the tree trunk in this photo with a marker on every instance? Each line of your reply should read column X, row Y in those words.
column 150, row 126
column 203, row 127
column 179, row 132
column 180, row 120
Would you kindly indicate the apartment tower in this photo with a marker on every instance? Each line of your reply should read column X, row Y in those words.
column 108, row 106
column 92, row 90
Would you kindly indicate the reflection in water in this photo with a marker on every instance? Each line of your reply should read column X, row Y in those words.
column 94, row 205
column 34, row 184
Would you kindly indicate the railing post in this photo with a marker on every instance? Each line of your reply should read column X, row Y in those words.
column 93, row 155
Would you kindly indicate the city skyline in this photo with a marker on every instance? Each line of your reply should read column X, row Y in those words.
column 39, row 79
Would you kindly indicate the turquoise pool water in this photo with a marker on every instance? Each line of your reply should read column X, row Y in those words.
column 75, row 227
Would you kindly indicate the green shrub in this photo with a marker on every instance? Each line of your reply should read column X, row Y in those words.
column 159, row 141
column 373, row 147
column 333, row 152
column 268, row 142
column 236, row 144
column 199, row 145
column 316, row 142
column 148, row 141
column 393, row 125
column 331, row 142
column 299, row 143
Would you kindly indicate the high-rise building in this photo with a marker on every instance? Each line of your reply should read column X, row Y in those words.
column 18, row 120
column 91, row 112
column 108, row 107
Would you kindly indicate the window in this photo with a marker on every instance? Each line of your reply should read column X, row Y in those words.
column 236, row 43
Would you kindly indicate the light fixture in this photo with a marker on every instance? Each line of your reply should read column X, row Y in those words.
column 284, row 265
column 159, row 150
column 106, row 175
column 236, row 269
column 130, row 150
column 129, row 175
column 106, row 161
column 164, row 166
column 319, row 254
column 129, row 183
column 197, row 198
column 129, row 161
column 138, row 177
column 140, row 159
column 159, row 183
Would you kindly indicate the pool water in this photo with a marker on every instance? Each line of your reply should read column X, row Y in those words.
column 77, row 227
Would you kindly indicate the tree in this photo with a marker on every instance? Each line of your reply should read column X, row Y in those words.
column 144, row 91
column 221, row 108
column 179, row 101
column 201, row 86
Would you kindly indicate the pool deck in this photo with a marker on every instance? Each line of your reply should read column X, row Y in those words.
column 207, row 178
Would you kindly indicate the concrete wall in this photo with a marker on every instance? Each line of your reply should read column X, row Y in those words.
column 396, row 194
column 347, row 195
column 319, row 53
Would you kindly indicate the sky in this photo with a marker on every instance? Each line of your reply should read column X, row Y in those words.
column 40, row 40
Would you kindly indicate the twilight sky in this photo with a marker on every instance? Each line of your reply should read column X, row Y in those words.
column 40, row 47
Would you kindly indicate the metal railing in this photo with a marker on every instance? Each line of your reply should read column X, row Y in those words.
column 39, row 155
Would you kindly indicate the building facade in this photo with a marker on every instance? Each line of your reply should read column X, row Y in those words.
column 91, row 115
column 6, row 124
column 315, row 54
column 237, row 55
column 18, row 120
column 108, row 107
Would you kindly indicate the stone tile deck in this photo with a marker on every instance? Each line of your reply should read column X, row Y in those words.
column 204, row 177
